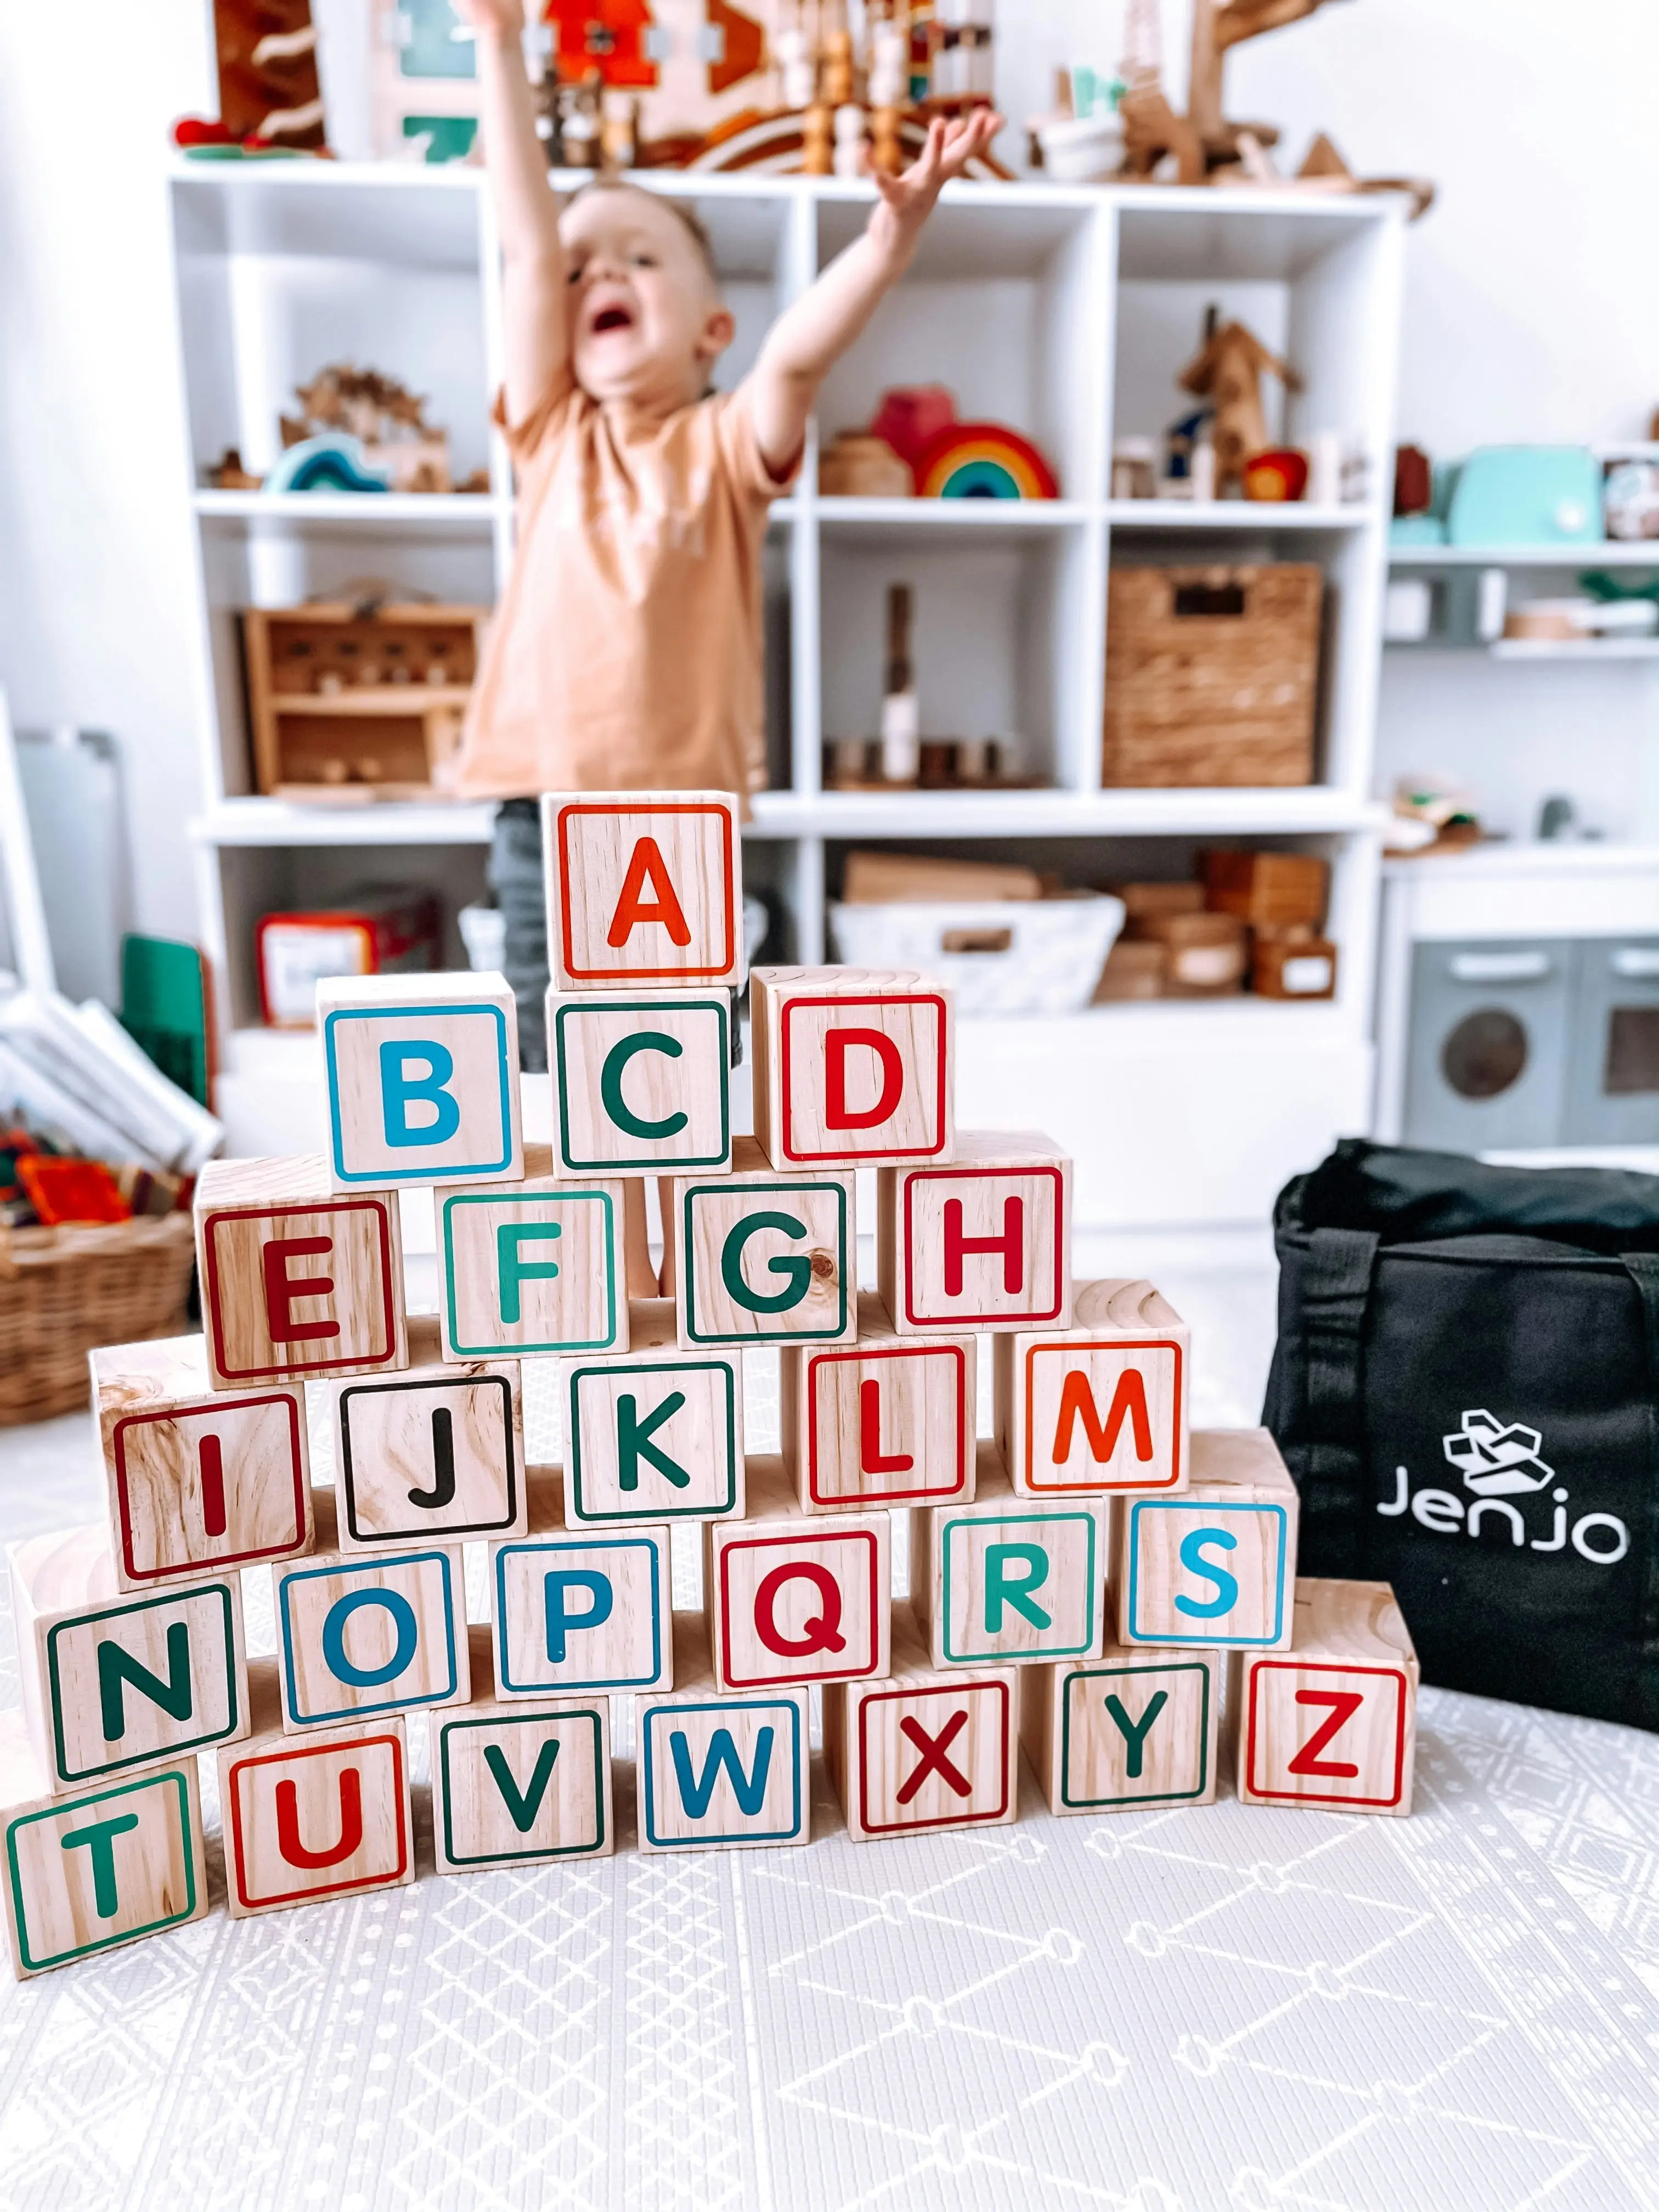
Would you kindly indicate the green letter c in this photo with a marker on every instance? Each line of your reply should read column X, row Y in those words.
column 610, row 1090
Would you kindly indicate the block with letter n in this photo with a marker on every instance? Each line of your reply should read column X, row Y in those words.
column 984, row 1243
column 792, row 1597
column 641, row 1079
column 656, row 1435
column 532, row 1266
column 764, row 1256
column 422, row 1074
column 515, row 1783
column 1213, row 1563
column 719, row 1770
column 1100, row 1406
column 852, row 1067
column 643, row 887
column 579, row 1608
column 1332, row 1723
column 887, row 1420
column 1128, row 1728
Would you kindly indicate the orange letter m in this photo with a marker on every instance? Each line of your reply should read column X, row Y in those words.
column 1077, row 1402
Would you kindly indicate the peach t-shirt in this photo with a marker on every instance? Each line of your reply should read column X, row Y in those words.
column 626, row 653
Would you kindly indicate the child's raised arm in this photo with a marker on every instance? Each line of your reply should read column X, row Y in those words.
column 809, row 337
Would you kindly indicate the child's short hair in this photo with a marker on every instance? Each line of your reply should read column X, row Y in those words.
column 687, row 217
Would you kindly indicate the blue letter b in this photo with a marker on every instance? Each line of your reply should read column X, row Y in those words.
column 399, row 1089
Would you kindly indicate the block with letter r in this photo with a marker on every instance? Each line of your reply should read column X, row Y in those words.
column 579, row 1609
column 1214, row 1564
column 984, row 1243
column 518, row 1783
column 721, row 1770
column 655, row 1435
column 853, row 1067
column 1130, row 1728
column 1099, row 1407
column 532, row 1266
column 1332, row 1723
column 643, row 887
column 422, row 1075
column 641, row 1081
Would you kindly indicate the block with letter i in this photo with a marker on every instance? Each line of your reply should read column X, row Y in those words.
column 422, row 1074
column 765, row 1256
column 298, row 1279
column 719, row 1770
column 852, row 1067
column 641, row 1079
column 923, row 1751
column 198, row 1478
column 532, row 1266
column 643, row 887
column 514, row 1784
column 792, row 1597
column 984, row 1243
column 1332, row 1723
column 307, row 1819
column 1100, row 1406
column 888, row 1420
column 1213, row 1563
column 656, row 1435
column 1126, row 1729
column 579, row 1608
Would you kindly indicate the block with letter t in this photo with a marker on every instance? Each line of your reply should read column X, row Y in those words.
column 765, row 1256
column 984, row 1243
column 852, row 1067
column 888, row 1420
column 1125, row 1729
column 792, row 1597
column 655, row 1435
column 1332, row 1723
column 641, row 1079
column 1213, row 1563
column 532, row 1266
column 1100, row 1406
column 517, row 1783
column 643, row 887
column 579, row 1608
column 719, row 1770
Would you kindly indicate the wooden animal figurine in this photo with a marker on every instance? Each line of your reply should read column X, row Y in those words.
column 720, row 1771
column 1130, row 1728
column 886, row 1421
column 1100, row 1406
column 1214, row 1564
column 1332, row 1723
column 515, row 1783
column 530, row 1267
column 1227, row 372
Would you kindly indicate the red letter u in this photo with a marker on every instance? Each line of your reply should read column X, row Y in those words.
column 351, row 1823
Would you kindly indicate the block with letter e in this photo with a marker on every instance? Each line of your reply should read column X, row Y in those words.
column 765, row 1257
column 719, row 1770
column 1213, row 1563
column 887, row 1420
column 852, row 1067
column 1332, row 1723
column 792, row 1597
column 641, row 1079
column 579, row 1609
column 298, row 1279
column 656, row 1435
column 532, row 1266
column 643, row 887
column 1124, row 1730
column 1100, row 1406
column 984, row 1243
column 515, row 1784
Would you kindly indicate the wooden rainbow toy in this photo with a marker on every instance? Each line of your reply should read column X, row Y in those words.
column 983, row 460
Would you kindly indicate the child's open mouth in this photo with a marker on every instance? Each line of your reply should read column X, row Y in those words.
column 611, row 319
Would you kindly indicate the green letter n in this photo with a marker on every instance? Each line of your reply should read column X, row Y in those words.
column 116, row 1667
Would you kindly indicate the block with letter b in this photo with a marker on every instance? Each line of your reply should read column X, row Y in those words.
column 793, row 1598
column 888, row 1420
column 579, row 1609
column 198, row 1478
column 1101, row 1405
column 516, row 1784
column 422, row 1076
column 984, row 1243
column 298, row 1278
column 643, row 887
column 1126, row 1729
column 1332, row 1723
column 852, row 1067
column 765, row 1257
column 719, row 1770
column 656, row 1435
column 1214, row 1562
column 641, row 1081
column 532, row 1266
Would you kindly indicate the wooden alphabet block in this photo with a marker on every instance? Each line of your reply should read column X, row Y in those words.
column 1100, row 1406
column 112, row 1683
column 765, row 1258
column 577, row 1610
column 983, row 1243
column 85, row 1873
column 360, row 1633
column 721, row 1770
column 535, row 1266
column 923, row 1751
column 1130, row 1728
column 1215, row 1563
column 1006, row 1578
column 307, row 1820
column 641, row 1081
column 852, row 1067
column 422, row 1076
column 643, row 887
column 512, row 1785
column 657, row 1435
column 431, row 1456
column 198, row 1478
column 297, row 1278
column 886, row 1421
column 1333, row 1722
column 793, row 1598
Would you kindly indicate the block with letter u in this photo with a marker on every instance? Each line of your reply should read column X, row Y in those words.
column 1332, row 1723
column 422, row 1074
column 1100, row 1406
column 984, row 1243
column 764, row 1257
column 852, row 1067
column 643, row 887
column 1214, row 1562
column 791, row 1598
column 579, row 1609
column 721, row 1770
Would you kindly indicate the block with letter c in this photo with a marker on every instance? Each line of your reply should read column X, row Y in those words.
column 643, row 887
column 641, row 1080
column 852, row 1067
column 793, row 1598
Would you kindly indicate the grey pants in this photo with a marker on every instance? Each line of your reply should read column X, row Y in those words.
column 515, row 875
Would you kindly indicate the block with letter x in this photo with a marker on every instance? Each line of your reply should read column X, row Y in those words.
column 641, row 1079
column 852, row 1067
column 643, row 887
column 1213, row 1563
column 1332, row 1723
column 888, row 1420
column 579, row 1608
column 1100, row 1406
column 765, row 1257
column 1126, row 1729
column 656, row 1435
column 721, row 1770
column 533, row 1266
column 515, row 1783
column 422, row 1074
column 984, row 1243
column 792, row 1597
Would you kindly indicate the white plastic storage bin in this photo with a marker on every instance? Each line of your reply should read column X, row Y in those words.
column 999, row 956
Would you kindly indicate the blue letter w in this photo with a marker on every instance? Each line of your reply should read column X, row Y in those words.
column 749, row 1790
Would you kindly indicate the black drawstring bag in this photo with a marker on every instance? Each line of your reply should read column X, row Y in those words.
column 1466, row 1388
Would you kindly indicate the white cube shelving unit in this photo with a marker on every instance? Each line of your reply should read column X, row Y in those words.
column 1064, row 311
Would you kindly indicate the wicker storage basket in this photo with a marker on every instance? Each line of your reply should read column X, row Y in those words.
column 1212, row 675
column 63, row 1291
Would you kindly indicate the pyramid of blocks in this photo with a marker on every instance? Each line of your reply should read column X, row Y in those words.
column 1097, row 1581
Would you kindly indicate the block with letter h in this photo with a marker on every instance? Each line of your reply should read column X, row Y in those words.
column 516, row 1784
column 422, row 1075
column 1214, row 1564
column 721, row 1770
column 656, row 1435
column 579, row 1610
column 641, row 1081
column 1098, row 1407
column 888, row 1420
column 853, row 1067
column 765, row 1257
column 1332, row 1723
column 1125, row 1729
column 982, row 1243
column 792, row 1598
column 643, row 887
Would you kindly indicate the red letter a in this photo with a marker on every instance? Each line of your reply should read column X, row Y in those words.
column 647, row 866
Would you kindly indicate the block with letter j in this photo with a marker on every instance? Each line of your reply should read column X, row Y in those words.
column 1213, row 1563
column 422, row 1074
column 719, row 1770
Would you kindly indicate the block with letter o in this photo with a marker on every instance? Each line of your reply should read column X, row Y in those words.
column 361, row 1634
column 643, row 887
column 852, row 1067
column 422, row 1074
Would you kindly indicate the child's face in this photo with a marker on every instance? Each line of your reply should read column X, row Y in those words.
column 645, row 322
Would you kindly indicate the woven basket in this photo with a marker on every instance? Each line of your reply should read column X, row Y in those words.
column 64, row 1291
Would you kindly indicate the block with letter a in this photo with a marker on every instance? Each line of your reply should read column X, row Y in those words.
column 111, row 1682
column 1126, row 1729
column 298, row 1279
column 721, row 1770
column 1100, row 1406
column 793, row 1598
column 643, row 887
column 656, row 1435
column 579, row 1609
column 422, row 1075
column 198, row 1478
column 765, row 1257
column 533, row 1266
column 641, row 1079
column 516, row 1784
column 99, row 1867
column 886, row 1421
column 984, row 1243
column 852, row 1067
column 923, row 1751
column 310, row 1819
column 1213, row 1563
column 1332, row 1723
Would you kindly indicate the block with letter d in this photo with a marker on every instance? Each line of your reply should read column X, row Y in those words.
column 515, row 1784
column 579, row 1609
column 792, row 1597
column 1332, row 1723
column 888, row 1420
column 764, row 1256
column 422, row 1074
column 1100, row 1406
column 984, row 1243
column 721, row 1770
column 643, row 887
column 641, row 1079
column 852, row 1067
column 1126, row 1729
column 533, row 1266
column 656, row 1435
column 1214, row 1562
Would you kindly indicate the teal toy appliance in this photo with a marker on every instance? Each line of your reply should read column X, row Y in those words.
column 1527, row 495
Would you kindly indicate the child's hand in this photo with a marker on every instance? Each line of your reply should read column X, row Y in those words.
column 907, row 201
column 501, row 19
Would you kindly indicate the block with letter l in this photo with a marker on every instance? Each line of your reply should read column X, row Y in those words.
column 1125, row 1729
column 533, row 1266
column 643, row 887
column 422, row 1074
column 1332, row 1723
column 764, row 1256
column 579, row 1609
column 656, row 1435
column 1100, row 1406
column 719, row 1770
column 852, row 1067
column 1213, row 1563
column 516, row 1784
column 984, row 1243
column 888, row 1420
column 641, row 1081
column 792, row 1597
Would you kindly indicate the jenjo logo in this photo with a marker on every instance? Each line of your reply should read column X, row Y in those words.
column 1501, row 1463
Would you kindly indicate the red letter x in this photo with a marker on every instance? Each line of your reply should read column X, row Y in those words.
column 932, row 1760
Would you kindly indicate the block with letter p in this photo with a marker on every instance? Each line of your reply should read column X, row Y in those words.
column 1100, row 1406
column 984, row 1243
column 643, row 887
column 852, row 1067
column 641, row 1081
column 422, row 1075
column 533, row 1266
column 579, row 1609
column 886, row 1421
column 1126, row 1729
column 765, row 1257
column 1215, row 1563
column 792, row 1597
column 1332, row 1723
column 656, row 1435
column 721, row 1770
column 517, row 1783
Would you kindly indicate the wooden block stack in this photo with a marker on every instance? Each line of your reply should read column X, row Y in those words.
column 1093, row 1555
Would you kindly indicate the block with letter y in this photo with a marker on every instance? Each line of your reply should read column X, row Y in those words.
column 532, row 1266
column 1100, row 1406
column 1213, row 1563
column 514, row 1783
column 982, row 1242
column 722, row 1769
column 656, row 1435
column 422, row 1074
column 1332, row 1723
column 643, row 887
column 579, row 1608
column 1128, row 1728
